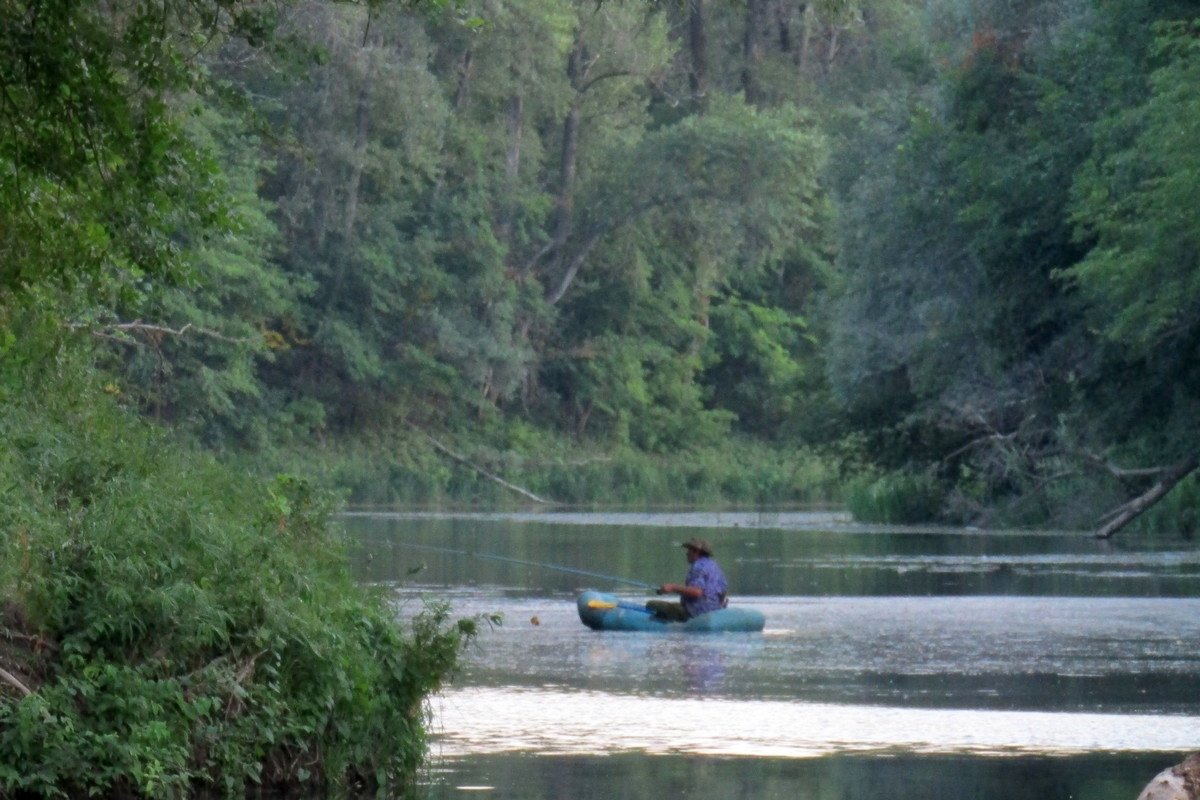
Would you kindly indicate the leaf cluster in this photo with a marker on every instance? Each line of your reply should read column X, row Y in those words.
column 190, row 630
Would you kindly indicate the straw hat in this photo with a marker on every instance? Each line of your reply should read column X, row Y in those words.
column 700, row 545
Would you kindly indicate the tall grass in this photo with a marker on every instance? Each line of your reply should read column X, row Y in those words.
column 895, row 498
column 169, row 625
column 406, row 471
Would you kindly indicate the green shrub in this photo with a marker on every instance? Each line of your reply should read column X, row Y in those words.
column 405, row 470
column 1177, row 514
column 894, row 498
column 172, row 626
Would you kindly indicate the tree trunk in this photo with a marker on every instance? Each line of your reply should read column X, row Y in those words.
column 831, row 51
column 321, row 213
column 362, row 115
column 573, row 268
column 1134, row 508
column 512, row 164
column 323, row 189
column 752, row 51
column 485, row 473
column 464, row 80
column 809, row 18
column 564, row 202
column 784, row 23
column 516, row 116
column 361, row 118
column 698, row 49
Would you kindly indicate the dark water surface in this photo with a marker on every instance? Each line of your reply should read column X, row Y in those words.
column 897, row 663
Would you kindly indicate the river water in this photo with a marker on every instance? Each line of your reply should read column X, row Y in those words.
column 896, row 662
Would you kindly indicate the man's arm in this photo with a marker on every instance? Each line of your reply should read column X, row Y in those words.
column 690, row 592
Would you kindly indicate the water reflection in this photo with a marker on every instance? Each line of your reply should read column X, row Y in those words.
column 704, row 668
column 678, row 664
column 556, row 722
column 844, row 777
column 805, row 560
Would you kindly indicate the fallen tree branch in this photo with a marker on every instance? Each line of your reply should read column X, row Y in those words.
column 236, row 702
column 1124, row 514
column 980, row 441
column 489, row 475
column 246, row 670
column 155, row 331
column 12, row 681
column 1104, row 465
column 36, row 643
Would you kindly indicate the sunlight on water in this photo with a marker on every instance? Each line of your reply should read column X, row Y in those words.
column 551, row 722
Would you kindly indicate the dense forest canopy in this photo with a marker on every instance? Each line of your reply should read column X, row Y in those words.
column 945, row 241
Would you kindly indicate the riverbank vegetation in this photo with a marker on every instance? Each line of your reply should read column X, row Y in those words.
column 170, row 628
column 935, row 260
column 411, row 471
column 944, row 247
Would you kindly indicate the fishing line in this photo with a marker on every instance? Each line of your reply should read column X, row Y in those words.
column 543, row 565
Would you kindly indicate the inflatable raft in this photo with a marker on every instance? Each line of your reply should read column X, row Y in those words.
column 606, row 612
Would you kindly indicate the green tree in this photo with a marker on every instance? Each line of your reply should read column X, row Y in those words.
column 956, row 342
column 358, row 135
column 199, row 365
column 1141, row 276
column 96, row 173
column 1132, row 207
column 686, row 214
column 173, row 626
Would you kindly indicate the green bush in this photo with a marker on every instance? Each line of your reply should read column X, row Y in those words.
column 171, row 626
column 894, row 498
column 1178, row 514
column 405, row 470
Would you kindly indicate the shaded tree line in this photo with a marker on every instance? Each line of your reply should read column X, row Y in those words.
column 949, row 239
column 523, row 210
column 1018, row 312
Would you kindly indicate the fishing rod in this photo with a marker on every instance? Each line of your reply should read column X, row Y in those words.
column 543, row 565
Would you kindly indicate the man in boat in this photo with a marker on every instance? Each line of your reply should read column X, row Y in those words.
column 704, row 589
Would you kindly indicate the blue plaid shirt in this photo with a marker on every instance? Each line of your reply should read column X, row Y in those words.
column 708, row 577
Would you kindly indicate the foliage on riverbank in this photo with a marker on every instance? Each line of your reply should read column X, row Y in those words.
column 503, row 471
column 894, row 498
column 167, row 625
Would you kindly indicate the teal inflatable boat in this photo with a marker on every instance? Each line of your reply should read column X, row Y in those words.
column 606, row 612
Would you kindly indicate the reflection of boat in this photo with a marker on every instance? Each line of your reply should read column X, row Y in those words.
column 606, row 612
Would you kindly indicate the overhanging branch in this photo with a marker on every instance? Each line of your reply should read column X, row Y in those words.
column 1123, row 515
